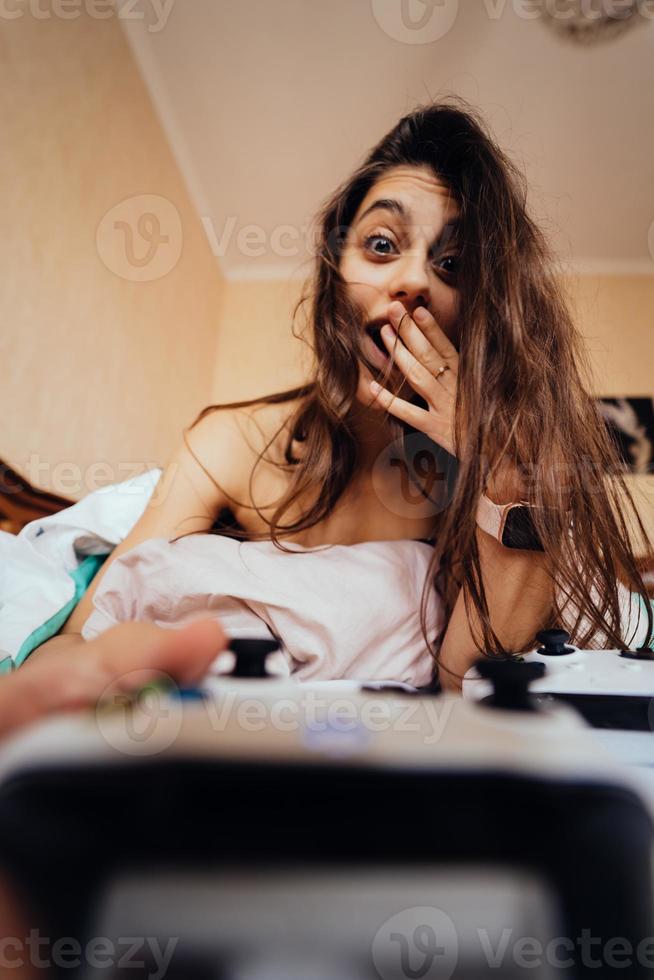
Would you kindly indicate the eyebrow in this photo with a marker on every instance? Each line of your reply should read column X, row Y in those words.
column 388, row 204
column 447, row 232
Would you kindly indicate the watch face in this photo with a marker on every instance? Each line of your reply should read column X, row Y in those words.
column 519, row 530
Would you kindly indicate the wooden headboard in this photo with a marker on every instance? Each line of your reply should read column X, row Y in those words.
column 21, row 503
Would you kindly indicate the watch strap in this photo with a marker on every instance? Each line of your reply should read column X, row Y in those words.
column 491, row 517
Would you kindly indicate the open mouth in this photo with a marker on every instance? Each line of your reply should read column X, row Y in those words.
column 378, row 354
column 374, row 332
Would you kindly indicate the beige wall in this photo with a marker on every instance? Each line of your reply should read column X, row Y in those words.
column 616, row 316
column 95, row 367
column 257, row 353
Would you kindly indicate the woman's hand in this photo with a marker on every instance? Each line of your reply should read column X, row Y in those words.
column 430, row 363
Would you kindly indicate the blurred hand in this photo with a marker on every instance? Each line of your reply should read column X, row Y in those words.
column 123, row 659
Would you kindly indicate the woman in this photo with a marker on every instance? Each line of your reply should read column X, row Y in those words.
column 446, row 362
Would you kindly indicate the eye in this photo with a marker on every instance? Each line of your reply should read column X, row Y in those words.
column 453, row 260
column 377, row 238
column 445, row 263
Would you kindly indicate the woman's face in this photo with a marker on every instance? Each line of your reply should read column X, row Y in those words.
column 401, row 245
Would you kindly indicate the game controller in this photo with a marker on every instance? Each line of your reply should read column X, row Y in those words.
column 266, row 770
column 610, row 688
column 250, row 714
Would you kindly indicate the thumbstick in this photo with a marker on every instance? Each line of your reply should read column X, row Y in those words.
column 250, row 656
column 554, row 643
column 640, row 653
column 510, row 680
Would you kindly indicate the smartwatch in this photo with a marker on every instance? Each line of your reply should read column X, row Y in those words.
column 510, row 524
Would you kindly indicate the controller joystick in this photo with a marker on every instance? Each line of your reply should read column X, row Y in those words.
column 640, row 653
column 250, row 656
column 510, row 680
column 611, row 689
column 554, row 643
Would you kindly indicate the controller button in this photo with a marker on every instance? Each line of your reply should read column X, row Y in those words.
column 190, row 694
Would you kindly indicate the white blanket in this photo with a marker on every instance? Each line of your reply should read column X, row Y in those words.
column 339, row 611
column 45, row 568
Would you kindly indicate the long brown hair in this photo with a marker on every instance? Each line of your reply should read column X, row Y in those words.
column 522, row 389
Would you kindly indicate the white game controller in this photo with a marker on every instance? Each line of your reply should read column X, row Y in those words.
column 249, row 761
column 570, row 670
column 250, row 713
column 612, row 689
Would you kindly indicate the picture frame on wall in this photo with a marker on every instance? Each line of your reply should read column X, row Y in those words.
column 630, row 422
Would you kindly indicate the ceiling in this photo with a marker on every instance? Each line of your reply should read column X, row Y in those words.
column 269, row 104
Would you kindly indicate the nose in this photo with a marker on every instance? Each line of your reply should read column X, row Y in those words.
column 410, row 283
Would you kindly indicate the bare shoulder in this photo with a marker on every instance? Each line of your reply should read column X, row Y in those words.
column 266, row 425
column 216, row 444
column 239, row 437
